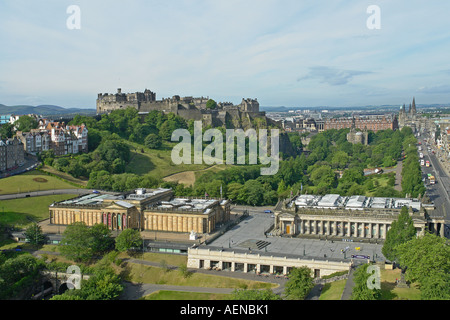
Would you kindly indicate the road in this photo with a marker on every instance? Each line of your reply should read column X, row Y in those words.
column 48, row 193
column 440, row 192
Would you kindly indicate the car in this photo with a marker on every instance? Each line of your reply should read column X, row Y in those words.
column 96, row 192
column 268, row 211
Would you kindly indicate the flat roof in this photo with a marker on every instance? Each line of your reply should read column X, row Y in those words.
column 353, row 202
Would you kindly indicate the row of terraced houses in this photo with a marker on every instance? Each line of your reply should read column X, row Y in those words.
column 56, row 136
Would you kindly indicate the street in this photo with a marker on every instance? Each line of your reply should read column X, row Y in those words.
column 439, row 193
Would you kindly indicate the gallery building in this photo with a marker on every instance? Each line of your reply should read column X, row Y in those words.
column 350, row 217
column 144, row 210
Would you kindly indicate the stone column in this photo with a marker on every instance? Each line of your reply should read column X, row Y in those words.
column 233, row 266
column 300, row 227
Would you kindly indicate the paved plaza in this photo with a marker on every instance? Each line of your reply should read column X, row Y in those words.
column 249, row 235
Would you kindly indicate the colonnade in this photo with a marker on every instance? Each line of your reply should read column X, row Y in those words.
column 340, row 228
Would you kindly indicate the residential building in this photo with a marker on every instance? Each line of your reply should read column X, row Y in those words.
column 11, row 154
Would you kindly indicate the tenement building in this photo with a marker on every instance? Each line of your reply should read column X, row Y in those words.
column 143, row 209
column 11, row 154
column 351, row 217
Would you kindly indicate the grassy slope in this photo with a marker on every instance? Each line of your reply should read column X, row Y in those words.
column 15, row 212
column 157, row 163
column 29, row 181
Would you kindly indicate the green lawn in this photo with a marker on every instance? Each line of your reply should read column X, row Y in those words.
column 333, row 290
column 157, row 163
column 15, row 212
column 389, row 290
column 31, row 181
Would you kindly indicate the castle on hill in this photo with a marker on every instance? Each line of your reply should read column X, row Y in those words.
column 225, row 114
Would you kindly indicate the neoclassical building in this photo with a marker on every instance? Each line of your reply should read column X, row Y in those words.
column 144, row 210
column 355, row 217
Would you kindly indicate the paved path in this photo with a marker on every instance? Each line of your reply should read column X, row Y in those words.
column 133, row 290
column 346, row 294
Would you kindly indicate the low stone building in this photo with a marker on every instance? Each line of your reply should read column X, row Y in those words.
column 236, row 260
column 143, row 209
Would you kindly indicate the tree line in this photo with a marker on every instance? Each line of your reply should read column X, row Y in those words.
column 330, row 165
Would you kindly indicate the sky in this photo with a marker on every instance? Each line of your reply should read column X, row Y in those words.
column 284, row 53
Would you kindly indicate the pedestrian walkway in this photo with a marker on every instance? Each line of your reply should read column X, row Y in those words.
column 346, row 294
column 133, row 291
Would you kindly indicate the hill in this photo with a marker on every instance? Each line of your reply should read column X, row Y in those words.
column 44, row 110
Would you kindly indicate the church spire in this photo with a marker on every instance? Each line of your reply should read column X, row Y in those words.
column 413, row 108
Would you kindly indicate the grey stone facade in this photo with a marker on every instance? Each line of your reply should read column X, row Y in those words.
column 189, row 108
column 11, row 154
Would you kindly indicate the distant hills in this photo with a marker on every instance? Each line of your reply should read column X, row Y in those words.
column 44, row 110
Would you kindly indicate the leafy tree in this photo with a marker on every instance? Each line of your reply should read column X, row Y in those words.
column 6, row 131
column 17, row 274
column 299, row 284
column 34, row 234
column 424, row 257
column 361, row 290
column 101, row 238
column 128, row 239
column 153, row 141
column 81, row 243
column 402, row 230
column 104, row 284
column 26, row 123
column 211, row 104
column 436, row 286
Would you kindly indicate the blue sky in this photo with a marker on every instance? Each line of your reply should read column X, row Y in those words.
column 285, row 53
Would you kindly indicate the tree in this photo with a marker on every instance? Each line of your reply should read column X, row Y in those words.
column 402, row 230
column 436, row 287
column 18, row 274
column 104, row 284
column 75, row 242
column 26, row 123
column 211, row 104
column 299, row 284
column 81, row 243
column 153, row 141
column 101, row 238
column 6, row 131
column 424, row 257
column 34, row 234
column 128, row 239
column 361, row 290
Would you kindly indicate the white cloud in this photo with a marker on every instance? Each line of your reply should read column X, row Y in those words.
column 223, row 49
